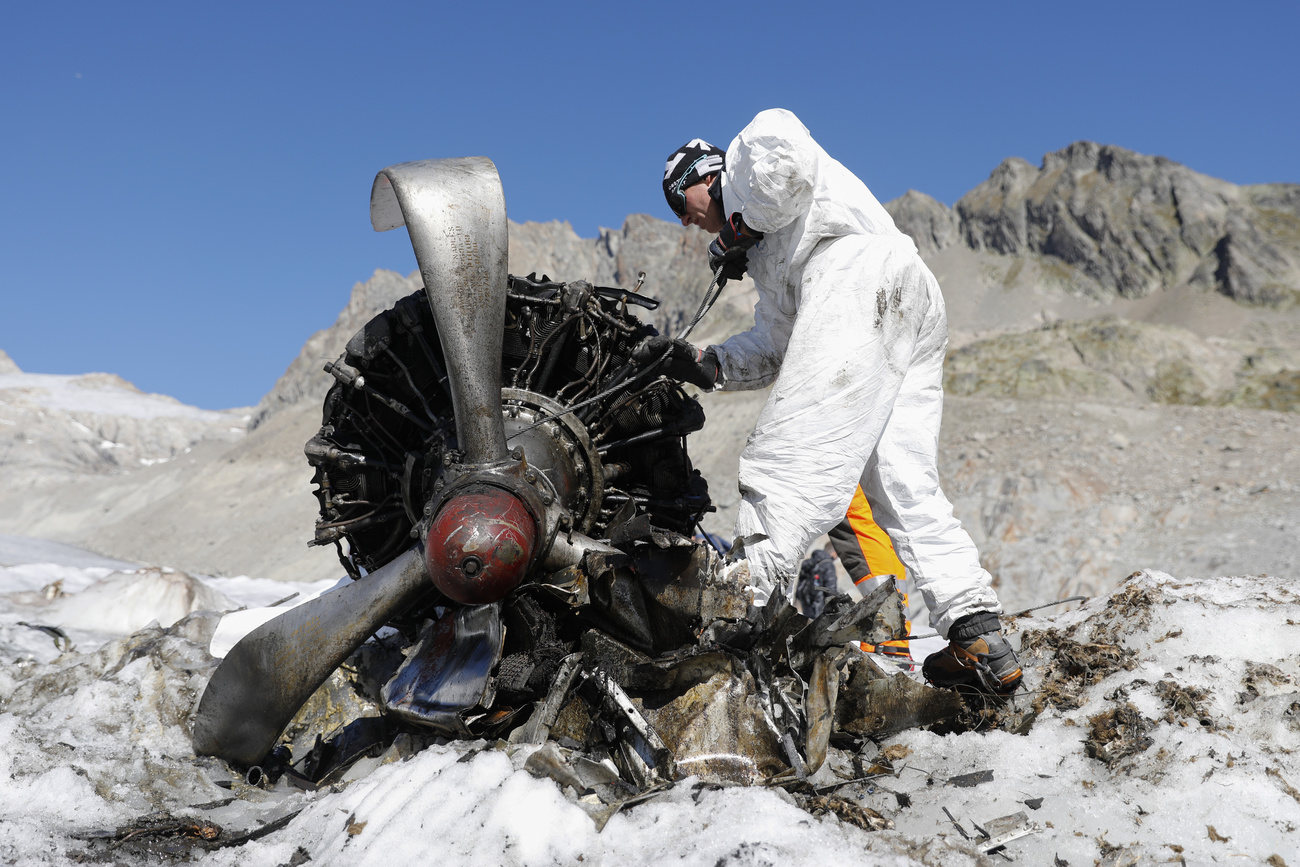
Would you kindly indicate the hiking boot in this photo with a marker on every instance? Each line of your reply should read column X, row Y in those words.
column 977, row 656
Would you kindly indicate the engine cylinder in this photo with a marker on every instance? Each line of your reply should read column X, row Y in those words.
column 480, row 545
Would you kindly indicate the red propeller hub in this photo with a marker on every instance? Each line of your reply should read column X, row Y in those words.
column 480, row 545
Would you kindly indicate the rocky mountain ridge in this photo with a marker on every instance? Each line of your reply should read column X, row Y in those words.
column 1093, row 231
column 1111, row 222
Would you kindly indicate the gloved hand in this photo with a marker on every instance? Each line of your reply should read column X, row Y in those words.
column 684, row 363
column 731, row 249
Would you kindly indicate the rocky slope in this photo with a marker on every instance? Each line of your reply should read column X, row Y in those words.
column 1117, row 361
column 61, row 427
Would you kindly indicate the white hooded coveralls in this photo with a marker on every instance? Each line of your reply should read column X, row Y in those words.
column 850, row 331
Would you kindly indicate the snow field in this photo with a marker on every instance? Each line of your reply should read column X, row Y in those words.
column 93, row 740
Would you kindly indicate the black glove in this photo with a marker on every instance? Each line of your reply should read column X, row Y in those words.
column 731, row 249
column 684, row 362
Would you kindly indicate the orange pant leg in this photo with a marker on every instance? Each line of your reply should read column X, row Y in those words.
column 880, row 559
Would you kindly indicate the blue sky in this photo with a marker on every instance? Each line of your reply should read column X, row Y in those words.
column 184, row 187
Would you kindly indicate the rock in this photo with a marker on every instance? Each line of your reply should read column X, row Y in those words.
column 930, row 223
column 1252, row 265
column 1114, row 360
column 305, row 378
column 7, row 364
column 1127, row 224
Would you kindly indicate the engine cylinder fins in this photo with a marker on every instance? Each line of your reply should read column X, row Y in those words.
column 556, row 445
column 378, row 469
column 480, row 545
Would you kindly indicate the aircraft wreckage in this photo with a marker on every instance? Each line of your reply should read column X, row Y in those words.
column 512, row 496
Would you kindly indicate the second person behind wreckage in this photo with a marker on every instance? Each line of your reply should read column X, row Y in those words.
column 850, row 331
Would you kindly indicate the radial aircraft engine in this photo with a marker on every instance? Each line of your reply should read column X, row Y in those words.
column 485, row 433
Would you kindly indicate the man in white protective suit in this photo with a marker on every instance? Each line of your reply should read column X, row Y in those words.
column 850, row 332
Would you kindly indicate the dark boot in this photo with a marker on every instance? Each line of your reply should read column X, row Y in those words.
column 977, row 656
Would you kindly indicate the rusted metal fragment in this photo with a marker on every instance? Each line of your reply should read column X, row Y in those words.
column 545, row 712
column 447, row 678
column 718, row 729
column 966, row 781
column 875, row 618
column 819, row 706
column 872, row 703
column 574, row 723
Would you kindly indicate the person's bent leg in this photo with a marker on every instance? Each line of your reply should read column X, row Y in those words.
column 902, row 479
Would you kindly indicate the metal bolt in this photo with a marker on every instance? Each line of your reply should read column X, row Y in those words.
column 530, row 476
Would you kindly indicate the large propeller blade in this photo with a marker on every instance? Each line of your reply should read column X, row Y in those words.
column 455, row 212
column 273, row 670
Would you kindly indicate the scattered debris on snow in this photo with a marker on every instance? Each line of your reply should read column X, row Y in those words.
column 94, row 748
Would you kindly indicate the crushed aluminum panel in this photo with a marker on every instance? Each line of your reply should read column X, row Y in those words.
column 819, row 706
column 872, row 703
column 449, row 671
column 718, row 729
column 455, row 213
column 538, row 727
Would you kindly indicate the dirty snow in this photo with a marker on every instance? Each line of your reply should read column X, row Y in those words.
column 93, row 740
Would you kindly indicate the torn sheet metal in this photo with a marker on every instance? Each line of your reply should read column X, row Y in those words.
column 873, row 702
column 1004, row 829
column 718, row 728
column 447, row 675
